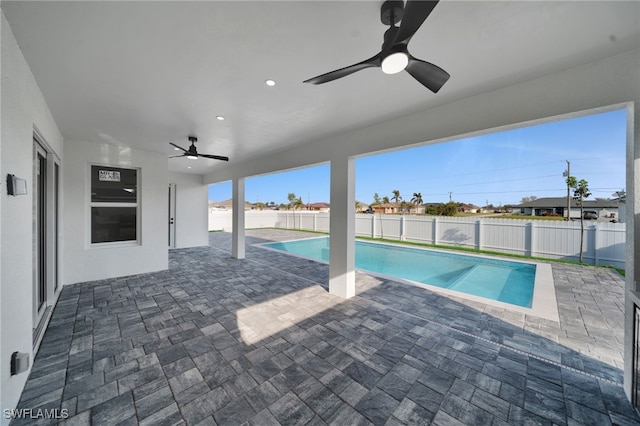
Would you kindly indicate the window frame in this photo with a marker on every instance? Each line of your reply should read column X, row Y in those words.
column 91, row 204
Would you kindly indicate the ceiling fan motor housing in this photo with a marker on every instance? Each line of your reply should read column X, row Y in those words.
column 391, row 9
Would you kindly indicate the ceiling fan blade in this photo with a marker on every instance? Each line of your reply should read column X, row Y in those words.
column 415, row 13
column 176, row 156
column 214, row 157
column 179, row 147
column 431, row 76
column 343, row 72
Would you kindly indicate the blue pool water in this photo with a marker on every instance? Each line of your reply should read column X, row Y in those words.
column 504, row 281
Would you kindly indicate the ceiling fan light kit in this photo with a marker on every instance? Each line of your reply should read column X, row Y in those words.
column 395, row 62
column 394, row 55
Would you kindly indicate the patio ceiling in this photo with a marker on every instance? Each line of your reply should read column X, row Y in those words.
column 143, row 74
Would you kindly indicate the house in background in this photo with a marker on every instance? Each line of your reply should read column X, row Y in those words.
column 319, row 207
column 228, row 205
column 386, row 208
column 468, row 208
column 557, row 206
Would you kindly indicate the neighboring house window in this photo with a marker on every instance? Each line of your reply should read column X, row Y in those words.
column 114, row 204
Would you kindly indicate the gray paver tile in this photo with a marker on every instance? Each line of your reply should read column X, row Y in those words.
column 291, row 410
column 377, row 406
column 166, row 348
column 114, row 411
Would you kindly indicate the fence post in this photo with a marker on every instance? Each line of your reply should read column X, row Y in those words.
column 435, row 230
column 479, row 234
column 532, row 240
column 596, row 258
column 402, row 237
column 314, row 222
column 373, row 225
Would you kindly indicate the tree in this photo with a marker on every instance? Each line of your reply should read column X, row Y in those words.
column 291, row 197
column 260, row 205
column 376, row 199
column 396, row 195
column 449, row 209
column 385, row 200
column 297, row 203
column 528, row 199
column 358, row 205
column 417, row 199
column 580, row 192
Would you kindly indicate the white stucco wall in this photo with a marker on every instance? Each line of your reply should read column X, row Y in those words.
column 85, row 263
column 191, row 210
column 23, row 109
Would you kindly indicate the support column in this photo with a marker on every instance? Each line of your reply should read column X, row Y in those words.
column 237, row 236
column 342, row 277
column 632, row 250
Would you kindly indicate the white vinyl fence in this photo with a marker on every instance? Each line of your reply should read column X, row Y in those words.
column 604, row 242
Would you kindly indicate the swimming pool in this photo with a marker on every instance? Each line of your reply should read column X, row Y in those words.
column 494, row 279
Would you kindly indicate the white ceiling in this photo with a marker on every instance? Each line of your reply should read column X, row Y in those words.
column 143, row 74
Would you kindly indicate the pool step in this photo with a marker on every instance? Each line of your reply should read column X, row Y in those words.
column 482, row 280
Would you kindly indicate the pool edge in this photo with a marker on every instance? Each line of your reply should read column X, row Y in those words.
column 544, row 303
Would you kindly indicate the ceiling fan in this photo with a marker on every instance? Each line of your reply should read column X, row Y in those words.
column 192, row 152
column 394, row 56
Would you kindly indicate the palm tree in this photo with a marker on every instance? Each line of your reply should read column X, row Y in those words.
column 417, row 199
column 291, row 197
column 376, row 199
column 580, row 192
column 385, row 200
column 396, row 195
column 358, row 205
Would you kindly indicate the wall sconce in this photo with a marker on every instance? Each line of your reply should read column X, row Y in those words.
column 19, row 362
column 16, row 186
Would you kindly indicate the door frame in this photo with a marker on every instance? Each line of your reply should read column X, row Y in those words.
column 172, row 216
column 47, row 203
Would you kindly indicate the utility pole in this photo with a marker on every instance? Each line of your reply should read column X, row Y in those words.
column 566, row 174
column 450, row 196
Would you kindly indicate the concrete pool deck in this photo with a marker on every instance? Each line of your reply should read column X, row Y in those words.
column 215, row 340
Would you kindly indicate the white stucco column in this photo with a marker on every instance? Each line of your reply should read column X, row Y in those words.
column 237, row 236
column 342, row 278
column 632, row 245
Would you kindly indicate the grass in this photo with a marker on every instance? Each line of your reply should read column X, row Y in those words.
column 526, row 217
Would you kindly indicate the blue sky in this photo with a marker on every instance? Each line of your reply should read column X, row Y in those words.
column 499, row 168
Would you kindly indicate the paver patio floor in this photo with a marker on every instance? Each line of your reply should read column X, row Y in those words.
column 214, row 340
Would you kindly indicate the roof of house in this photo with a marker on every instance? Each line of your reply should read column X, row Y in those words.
column 468, row 206
column 553, row 202
column 320, row 205
column 228, row 204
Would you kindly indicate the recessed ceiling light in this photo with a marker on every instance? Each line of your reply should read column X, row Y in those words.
column 219, row 117
column 176, row 149
column 188, row 167
column 270, row 82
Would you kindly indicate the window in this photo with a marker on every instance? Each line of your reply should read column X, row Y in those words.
column 114, row 204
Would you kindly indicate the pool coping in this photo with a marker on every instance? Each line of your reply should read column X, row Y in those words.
column 544, row 304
